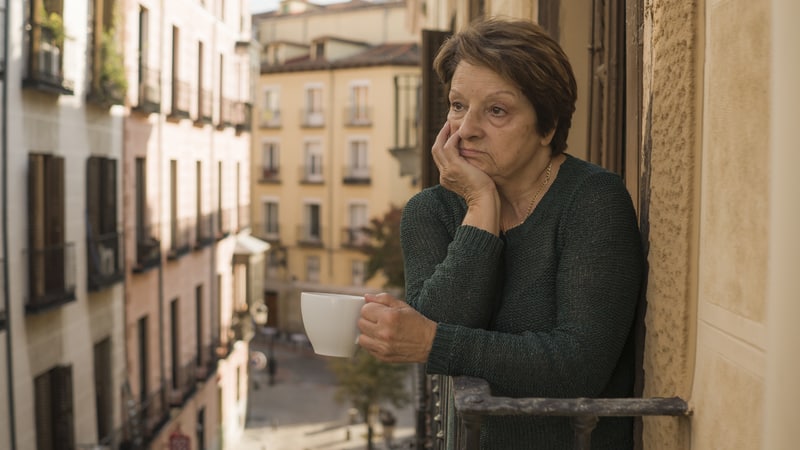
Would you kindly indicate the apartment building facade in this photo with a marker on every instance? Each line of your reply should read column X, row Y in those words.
column 125, row 140
column 63, row 339
column 185, row 170
column 336, row 116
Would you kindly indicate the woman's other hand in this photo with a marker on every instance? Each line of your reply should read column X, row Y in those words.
column 392, row 331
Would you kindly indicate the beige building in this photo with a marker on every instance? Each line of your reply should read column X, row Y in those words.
column 186, row 196
column 335, row 113
column 62, row 342
column 125, row 317
column 696, row 104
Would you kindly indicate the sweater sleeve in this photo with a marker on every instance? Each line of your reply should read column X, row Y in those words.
column 450, row 269
column 597, row 268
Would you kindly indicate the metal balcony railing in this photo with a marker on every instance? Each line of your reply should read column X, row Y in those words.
column 182, row 236
column 225, row 118
column 184, row 385
column 181, row 99
column 355, row 237
column 224, row 223
column 311, row 175
column 204, row 233
column 45, row 65
column 51, row 276
column 270, row 118
column 148, row 247
column 310, row 235
column 356, row 174
column 207, row 362
column 105, row 260
column 242, row 116
column 312, row 118
column 270, row 174
column 204, row 108
column 462, row 403
column 269, row 231
column 358, row 116
column 149, row 90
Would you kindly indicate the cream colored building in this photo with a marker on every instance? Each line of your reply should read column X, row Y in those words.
column 186, row 164
column 62, row 342
column 707, row 142
column 336, row 100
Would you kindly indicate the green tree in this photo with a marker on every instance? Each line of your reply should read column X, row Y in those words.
column 385, row 254
column 367, row 382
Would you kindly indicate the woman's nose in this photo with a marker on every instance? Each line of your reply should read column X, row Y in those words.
column 469, row 125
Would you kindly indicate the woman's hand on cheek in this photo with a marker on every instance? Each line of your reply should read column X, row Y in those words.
column 394, row 332
column 455, row 172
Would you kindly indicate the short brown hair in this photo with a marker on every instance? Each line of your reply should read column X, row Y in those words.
column 523, row 53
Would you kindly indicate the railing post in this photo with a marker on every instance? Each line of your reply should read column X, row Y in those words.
column 583, row 426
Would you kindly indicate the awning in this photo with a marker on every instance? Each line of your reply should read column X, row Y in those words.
column 249, row 245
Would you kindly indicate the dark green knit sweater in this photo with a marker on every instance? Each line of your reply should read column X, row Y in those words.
column 544, row 310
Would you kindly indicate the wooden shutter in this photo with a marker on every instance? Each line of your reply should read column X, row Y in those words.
column 63, row 415
column 93, row 197
column 434, row 104
column 54, row 224
column 109, row 196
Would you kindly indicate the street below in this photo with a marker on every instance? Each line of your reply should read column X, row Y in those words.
column 298, row 410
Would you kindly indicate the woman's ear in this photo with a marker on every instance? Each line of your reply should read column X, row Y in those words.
column 548, row 137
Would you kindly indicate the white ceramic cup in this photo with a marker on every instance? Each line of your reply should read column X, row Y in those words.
column 331, row 322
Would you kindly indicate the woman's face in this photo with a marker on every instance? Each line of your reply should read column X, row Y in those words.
column 496, row 122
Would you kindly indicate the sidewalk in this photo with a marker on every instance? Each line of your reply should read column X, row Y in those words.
column 298, row 412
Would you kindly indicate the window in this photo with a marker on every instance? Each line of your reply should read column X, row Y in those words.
column 359, row 272
column 312, row 116
column 180, row 233
column 203, row 93
column 312, row 232
column 270, row 161
column 358, row 220
column 51, row 270
column 104, row 243
column 312, row 269
column 357, row 170
column 270, row 227
column 358, row 113
column 270, row 111
column 175, row 347
column 181, row 96
column 107, row 78
column 142, row 334
column 313, row 162
column 103, row 389
column 149, row 76
column 44, row 41
column 148, row 245
column 54, row 409
column 198, row 325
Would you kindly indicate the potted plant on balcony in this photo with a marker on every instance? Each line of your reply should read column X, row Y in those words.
column 112, row 83
column 54, row 24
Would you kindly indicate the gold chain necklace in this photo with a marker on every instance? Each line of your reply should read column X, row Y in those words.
column 547, row 172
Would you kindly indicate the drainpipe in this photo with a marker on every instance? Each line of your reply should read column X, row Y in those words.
column 6, row 291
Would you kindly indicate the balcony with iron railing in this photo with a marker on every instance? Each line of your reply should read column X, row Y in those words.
column 355, row 237
column 242, row 116
column 270, row 174
column 225, row 118
column 148, row 247
column 204, row 233
column 352, row 174
column 270, row 118
column 311, row 175
column 207, row 362
column 45, row 63
column 309, row 235
column 105, row 260
column 51, row 276
column 145, row 419
column 224, row 219
column 243, row 217
column 149, row 100
column 181, row 100
column 181, row 237
column 204, row 107
column 184, row 383
column 312, row 118
column 269, row 231
column 460, row 404
column 358, row 116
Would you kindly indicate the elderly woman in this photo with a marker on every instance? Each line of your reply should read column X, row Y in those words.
column 524, row 265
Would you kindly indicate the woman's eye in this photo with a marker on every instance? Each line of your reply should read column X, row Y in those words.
column 497, row 111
